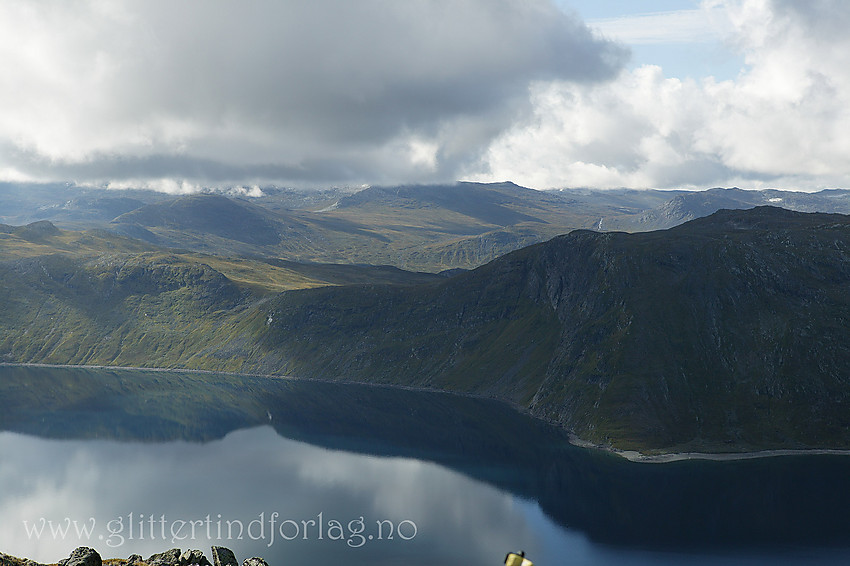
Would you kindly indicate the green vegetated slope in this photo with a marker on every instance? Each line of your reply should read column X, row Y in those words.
column 117, row 309
column 97, row 298
column 726, row 333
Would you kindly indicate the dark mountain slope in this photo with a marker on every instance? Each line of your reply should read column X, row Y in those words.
column 98, row 298
column 211, row 214
column 727, row 331
column 490, row 204
column 88, row 211
column 67, row 205
column 730, row 329
column 479, row 332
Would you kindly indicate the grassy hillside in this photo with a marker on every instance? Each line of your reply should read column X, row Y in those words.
column 97, row 298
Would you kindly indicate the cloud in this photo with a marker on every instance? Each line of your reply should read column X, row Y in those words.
column 784, row 121
column 302, row 91
column 679, row 26
column 637, row 132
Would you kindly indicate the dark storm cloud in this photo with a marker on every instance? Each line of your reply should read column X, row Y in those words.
column 362, row 70
column 294, row 90
column 187, row 167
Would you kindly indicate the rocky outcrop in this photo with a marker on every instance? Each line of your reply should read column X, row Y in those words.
column 223, row 557
column 37, row 231
column 174, row 557
column 193, row 558
column 6, row 560
column 85, row 556
column 82, row 556
column 167, row 558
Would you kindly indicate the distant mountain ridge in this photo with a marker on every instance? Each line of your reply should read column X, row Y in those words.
column 688, row 206
column 417, row 227
column 473, row 200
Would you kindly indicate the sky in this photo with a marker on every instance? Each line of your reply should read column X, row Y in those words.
column 179, row 96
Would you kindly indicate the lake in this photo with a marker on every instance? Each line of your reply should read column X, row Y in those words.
column 327, row 474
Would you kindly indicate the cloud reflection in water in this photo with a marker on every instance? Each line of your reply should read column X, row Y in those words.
column 246, row 474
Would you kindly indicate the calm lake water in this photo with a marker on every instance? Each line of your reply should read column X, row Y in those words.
column 334, row 474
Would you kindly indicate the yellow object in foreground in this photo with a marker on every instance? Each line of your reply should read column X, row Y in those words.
column 513, row 559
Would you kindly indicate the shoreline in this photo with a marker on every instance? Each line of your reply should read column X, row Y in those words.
column 667, row 457
column 630, row 455
column 261, row 375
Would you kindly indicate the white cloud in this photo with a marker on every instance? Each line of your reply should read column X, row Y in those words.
column 784, row 121
column 164, row 185
column 632, row 132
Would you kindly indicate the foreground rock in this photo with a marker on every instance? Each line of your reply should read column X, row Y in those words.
column 6, row 560
column 223, row 557
column 84, row 556
column 193, row 558
column 167, row 558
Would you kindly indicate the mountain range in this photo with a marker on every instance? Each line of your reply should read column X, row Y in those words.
column 724, row 333
column 421, row 228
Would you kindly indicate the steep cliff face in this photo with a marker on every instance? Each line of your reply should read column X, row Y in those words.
column 730, row 329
